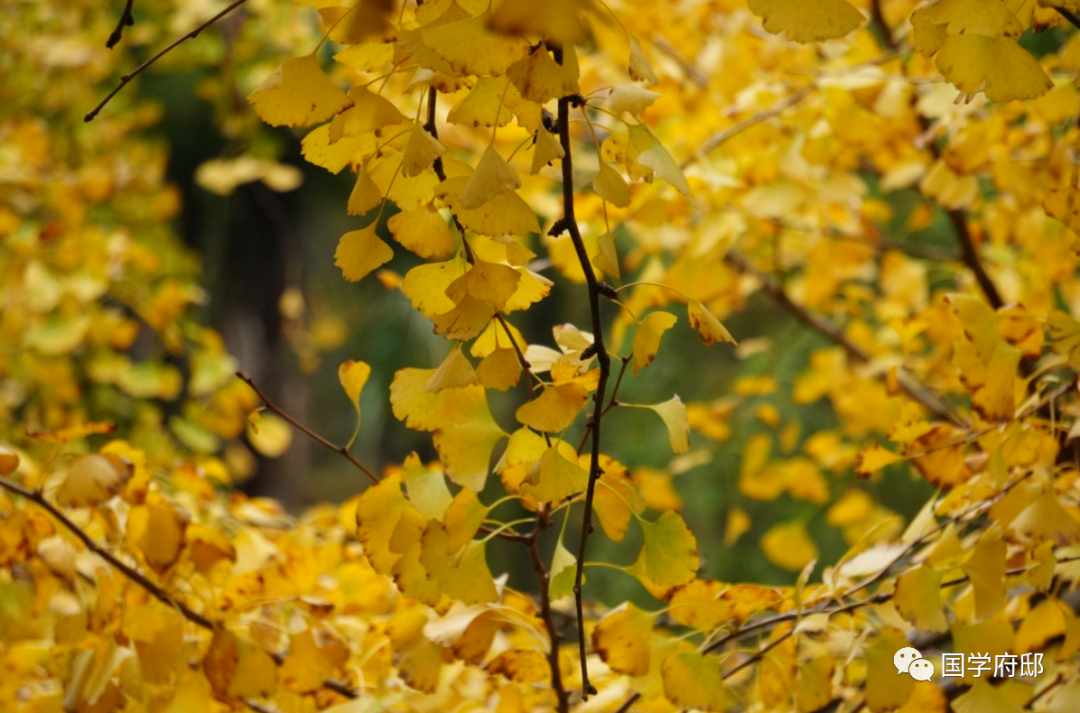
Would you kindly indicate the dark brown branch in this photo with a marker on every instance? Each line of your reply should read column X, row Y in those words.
column 969, row 254
column 342, row 450
column 1069, row 15
column 126, row 20
column 124, row 80
column 569, row 223
column 911, row 386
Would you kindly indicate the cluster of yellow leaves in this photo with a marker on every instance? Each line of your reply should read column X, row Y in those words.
column 390, row 597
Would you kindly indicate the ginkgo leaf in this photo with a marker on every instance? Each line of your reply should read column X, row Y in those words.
column 918, row 599
column 547, row 149
column 92, row 479
column 464, row 575
column 647, row 337
column 539, row 78
column 631, row 99
column 483, row 106
column 423, row 231
column 610, row 186
column 420, row 152
column 361, row 251
column 674, row 414
column 310, row 664
column 377, row 513
column 521, row 665
column 9, row 461
column 554, row 409
column 298, row 94
column 788, row 545
column 556, row 475
column 369, row 113
column 615, row 499
column 668, row 554
column 562, row 572
column 708, row 327
column 353, row 375
column 492, row 177
column 465, row 450
column 269, row 434
column 886, row 689
column 505, row 214
column 157, row 529
column 463, row 45
column 997, row 66
column 500, row 370
column 426, row 488
column 640, row 69
column 700, row 604
column 365, row 195
column 454, row 373
column 874, row 459
column 239, row 669
column 986, row 570
column 622, row 638
column 693, row 680
column 645, row 150
column 808, row 22
column 560, row 21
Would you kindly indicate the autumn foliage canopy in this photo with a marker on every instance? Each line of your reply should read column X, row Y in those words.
column 667, row 166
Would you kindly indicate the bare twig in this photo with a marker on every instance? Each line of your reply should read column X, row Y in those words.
column 124, row 80
column 661, row 43
column 911, row 386
column 1069, row 15
column 543, row 579
column 569, row 223
column 126, row 20
column 342, row 450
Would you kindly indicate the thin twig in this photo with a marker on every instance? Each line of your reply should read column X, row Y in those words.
column 124, row 80
column 1069, row 15
column 543, row 579
column 661, row 43
column 569, row 223
column 342, row 450
column 126, row 20
column 911, row 386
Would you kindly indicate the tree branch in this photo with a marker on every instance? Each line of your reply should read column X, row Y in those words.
column 911, row 386
column 342, row 450
column 543, row 579
column 126, row 20
column 124, row 80
column 1069, row 15
column 569, row 223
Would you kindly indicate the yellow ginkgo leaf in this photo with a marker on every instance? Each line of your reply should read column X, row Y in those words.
column 609, row 185
column 547, row 149
column 365, row 195
column 521, row 665
column 539, row 78
column 788, row 545
column 874, row 459
column 631, row 98
column 555, row 475
column 9, row 461
column 807, row 22
column 309, row 664
column 298, row 94
column 560, row 21
column 647, row 337
column 361, row 251
column 708, row 327
column 616, row 498
column 986, row 570
column 424, row 410
column 693, row 680
column 886, row 689
column 454, row 373
column 462, row 574
column 500, row 370
column 491, row 177
column 426, row 488
column 92, row 479
column 997, row 66
column 700, row 604
column 668, row 554
column 369, row 113
column 674, row 415
column 645, row 150
column 239, row 669
column 269, row 434
column 457, row 43
column 505, row 214
column 483, row 106
column 353, row 375
column 420, row 152
column 622, row 639
column 157, row 529
column 918, row 599
column 555, row 408
column 562, row 573
column 640, row 69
